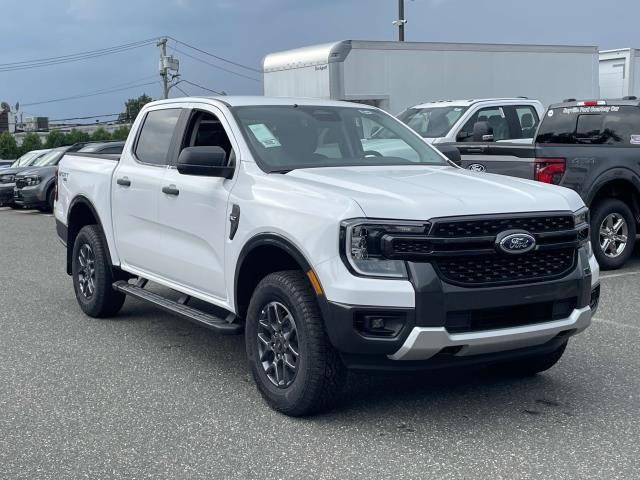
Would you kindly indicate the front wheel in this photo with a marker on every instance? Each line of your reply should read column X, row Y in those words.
column 293, row 364
column 613, row 233
column 93, row 276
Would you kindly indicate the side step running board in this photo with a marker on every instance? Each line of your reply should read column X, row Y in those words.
column 219, row 325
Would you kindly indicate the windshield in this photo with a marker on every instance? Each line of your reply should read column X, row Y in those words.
column 49, row 159
column 285, row 138
column 25, row 159
column 432, row 122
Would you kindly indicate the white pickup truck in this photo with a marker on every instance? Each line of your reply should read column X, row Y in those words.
column 328, row 254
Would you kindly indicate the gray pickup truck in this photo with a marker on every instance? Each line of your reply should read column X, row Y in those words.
column 592, row 147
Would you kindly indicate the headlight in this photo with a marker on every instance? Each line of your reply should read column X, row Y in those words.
column 7, row 178
column 581, row 217
column 32, row 180
column 360, row 246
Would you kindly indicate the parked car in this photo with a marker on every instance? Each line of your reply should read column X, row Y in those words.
column 591, row 147
column 327, row 261
column 511, row 119
column 34, row 186
column 112, row 147
column 8, row 175
column 5, row 163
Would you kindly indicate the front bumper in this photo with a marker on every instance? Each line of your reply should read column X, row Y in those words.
column 30, row 197
column 433, row 325
column 6, row 193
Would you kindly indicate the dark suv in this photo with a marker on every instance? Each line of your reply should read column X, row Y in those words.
column 592, row 147
column 35, row 187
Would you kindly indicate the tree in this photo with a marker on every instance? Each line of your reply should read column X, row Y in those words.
column 8, row 146
column 56, row 139
column 76, row 136
column 120, row 133
column 31, row 141
column 100, row 135
column 133, row 107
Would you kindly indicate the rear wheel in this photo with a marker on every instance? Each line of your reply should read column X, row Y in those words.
column 93, row 276
column 293, row 364
column 530, row 366
column 613, row 233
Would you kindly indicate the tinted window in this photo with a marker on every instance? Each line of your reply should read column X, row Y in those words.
column 611, row 125
column 156, row 135
column 494, row 116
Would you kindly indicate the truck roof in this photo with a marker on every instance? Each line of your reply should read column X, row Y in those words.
column 469, row 102
column 256, row 100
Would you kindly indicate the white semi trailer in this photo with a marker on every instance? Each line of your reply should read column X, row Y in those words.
column 397, row 75
column 620, row 73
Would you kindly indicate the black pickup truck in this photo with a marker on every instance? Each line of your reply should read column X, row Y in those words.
column 592, row 147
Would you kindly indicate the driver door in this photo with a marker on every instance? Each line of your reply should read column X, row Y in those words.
column 193, row 211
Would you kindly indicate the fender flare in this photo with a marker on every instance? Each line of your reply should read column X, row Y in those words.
column 613, row 174
column 82, row 200
column 266, row 239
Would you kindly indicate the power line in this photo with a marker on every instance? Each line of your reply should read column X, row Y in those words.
column 29, row 64
column 93, row 94
column 183, row 92
column 84, row 118
column 216, row 66
column 231, row 62
column 203, row 88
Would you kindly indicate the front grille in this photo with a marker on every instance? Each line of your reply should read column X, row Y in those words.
column 20, row 183
column 493, row 226
column 476, row 270
column 509, row 316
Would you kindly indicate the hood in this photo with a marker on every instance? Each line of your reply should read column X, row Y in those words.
column 42, row 171
column 422, row 192
column 12, row 170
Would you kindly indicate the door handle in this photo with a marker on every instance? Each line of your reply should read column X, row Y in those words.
column 171, row 190
column 474, row 150
column 124, row 181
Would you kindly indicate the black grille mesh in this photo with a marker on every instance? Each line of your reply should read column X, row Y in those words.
column 477, row 228
column 495, row 268
column 20, row 183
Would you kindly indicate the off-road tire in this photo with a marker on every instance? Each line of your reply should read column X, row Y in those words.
column 105, row 301
column 321, row 374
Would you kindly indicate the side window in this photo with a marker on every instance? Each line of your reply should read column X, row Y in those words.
column 205, row 130
column 527, row 122
column 156, row 135
column 497, row 120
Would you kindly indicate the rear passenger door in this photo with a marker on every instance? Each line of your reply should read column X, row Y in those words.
column 136, row 189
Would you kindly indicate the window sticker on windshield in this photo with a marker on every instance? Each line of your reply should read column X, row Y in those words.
column 264, row 135
column 635, row 139
column 550, row 113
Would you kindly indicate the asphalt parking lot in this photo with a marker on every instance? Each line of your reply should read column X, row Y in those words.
column 147, row 395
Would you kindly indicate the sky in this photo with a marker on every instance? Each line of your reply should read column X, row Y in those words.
column 244, row 31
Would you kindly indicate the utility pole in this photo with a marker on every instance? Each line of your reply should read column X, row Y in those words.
column 164, row 69
column 400, row 23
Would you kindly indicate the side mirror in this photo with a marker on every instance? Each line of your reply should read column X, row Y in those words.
column 205, row 162
column 482, row 132
column 451, row 152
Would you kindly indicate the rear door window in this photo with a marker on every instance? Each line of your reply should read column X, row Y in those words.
column 156, row 136
column 527, row 121
column 608, row 125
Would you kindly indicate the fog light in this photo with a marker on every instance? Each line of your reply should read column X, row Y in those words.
column 379, row 324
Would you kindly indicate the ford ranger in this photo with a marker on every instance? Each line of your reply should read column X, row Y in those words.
column 325, row 252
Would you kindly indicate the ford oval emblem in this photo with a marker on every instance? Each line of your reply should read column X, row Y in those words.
column 515, row 243
column 477, row 167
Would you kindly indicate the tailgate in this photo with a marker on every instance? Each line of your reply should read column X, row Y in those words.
column 515, row 160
